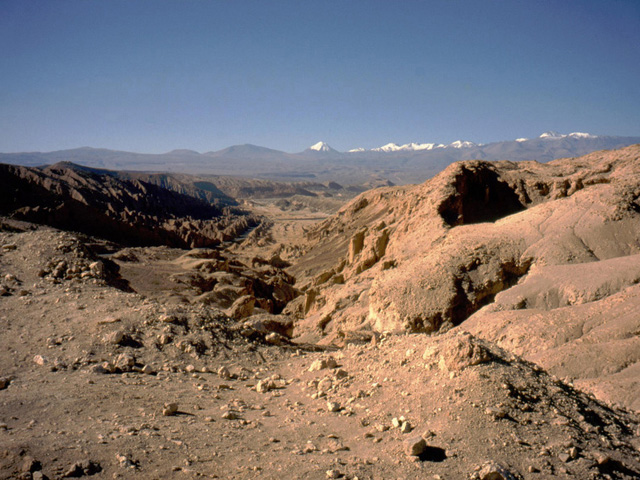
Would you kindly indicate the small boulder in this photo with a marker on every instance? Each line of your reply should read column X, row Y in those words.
column 463, row 351
column 80, row 469
column 125, row 362
column 495, row 471
column 415, row 446
column 406, row 427
column 114, row 338
column 224, row 373
column 170, row 409
column 322, row 363
column 30, row 464
column 230, row 415
column 242, row 307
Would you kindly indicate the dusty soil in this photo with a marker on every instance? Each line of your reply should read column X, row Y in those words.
column 475, row 405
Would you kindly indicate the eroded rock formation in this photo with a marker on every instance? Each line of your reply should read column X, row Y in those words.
column 415, row 258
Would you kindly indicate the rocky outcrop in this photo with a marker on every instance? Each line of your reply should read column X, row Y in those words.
column 419, row 258
column 215, row 278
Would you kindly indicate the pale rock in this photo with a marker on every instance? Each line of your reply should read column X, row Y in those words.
column 125, row 362
column 406, row 427
column 124, row 461
column 322, row 363
column 114, row 338
column 274, row 338
column 264, row 386
column 463, row 351
column 40, row 360
column 495, row 471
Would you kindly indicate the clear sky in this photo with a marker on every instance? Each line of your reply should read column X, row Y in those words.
column 155, row 75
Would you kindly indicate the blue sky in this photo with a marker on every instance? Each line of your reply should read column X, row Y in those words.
column 154, row 75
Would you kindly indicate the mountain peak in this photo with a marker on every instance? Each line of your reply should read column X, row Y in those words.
column 555, row 135
column 462, row 144
column 552, row 134
column 321, row 147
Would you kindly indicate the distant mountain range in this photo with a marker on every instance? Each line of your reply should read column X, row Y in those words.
column 408, row 163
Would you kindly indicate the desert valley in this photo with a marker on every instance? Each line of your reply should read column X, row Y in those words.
column 483, row 324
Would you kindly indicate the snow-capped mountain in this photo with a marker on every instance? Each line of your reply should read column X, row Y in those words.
column 407, row 147
column 416, row 147
column 321, row 147
column 555, row 135
column 462, row 144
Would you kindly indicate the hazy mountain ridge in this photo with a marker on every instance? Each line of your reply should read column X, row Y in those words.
column 323, row 163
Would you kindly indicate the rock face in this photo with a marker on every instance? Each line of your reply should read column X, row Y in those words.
column 130, row 212
column 415, row 259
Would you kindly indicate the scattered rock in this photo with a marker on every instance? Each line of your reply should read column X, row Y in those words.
column 415, row 446
column 30, row 464
column 242, row 307
column 463, row 351
column 495, row 471
column 40, row 360
column 602, row 458
column 274, row 338
column 406, row 427
column 80, row 469
column 564, row 457
column 224, row 373
column 114, row 338
column 230, row 415
column 322, row 363
column 170, row 409
column 124, row 461
column 125, row 362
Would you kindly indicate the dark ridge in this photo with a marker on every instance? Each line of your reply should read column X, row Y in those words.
column 129, row 212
